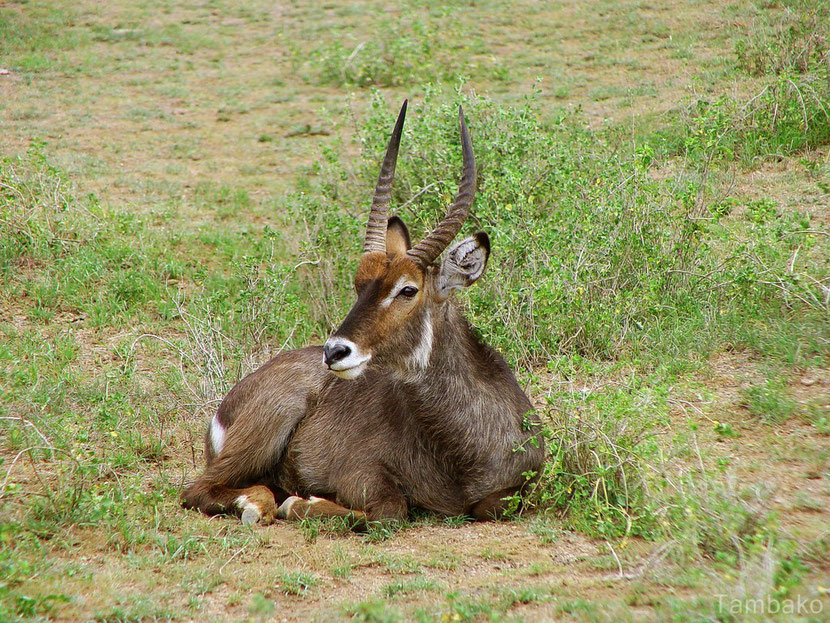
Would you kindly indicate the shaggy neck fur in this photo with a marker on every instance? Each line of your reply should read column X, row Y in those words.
column 466, row 393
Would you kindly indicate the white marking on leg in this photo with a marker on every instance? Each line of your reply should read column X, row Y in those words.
column 284, row 511
column 250, row 511
column 217, row 434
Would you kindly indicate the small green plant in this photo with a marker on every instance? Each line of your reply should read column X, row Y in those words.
column 342, row 565
column 380, row 531
column 298, row 583
column 261, row 606
column 819, row 419
column 406, row 587
column 724, row 429
column 373, row 611
column 769, row 401
column 313, row 527
column 397, row 563
column 547, row 531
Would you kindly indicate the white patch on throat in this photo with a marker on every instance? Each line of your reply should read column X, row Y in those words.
column 351, row 374
column 217, row 434
column 419, row 359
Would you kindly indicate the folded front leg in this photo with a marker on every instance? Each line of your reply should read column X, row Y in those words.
column 374, row 492
column 299, row 508
column 255, row 504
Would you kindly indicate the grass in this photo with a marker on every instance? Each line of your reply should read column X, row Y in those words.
column 769, row 401
column 190, row 202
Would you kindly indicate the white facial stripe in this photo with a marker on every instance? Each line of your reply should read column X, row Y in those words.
column 420, row 356
column 217, row 434
column 401, row 283
column 355, row 360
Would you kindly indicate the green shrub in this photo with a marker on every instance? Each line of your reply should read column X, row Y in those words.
column 788, row 115
column 601, row 453
column 769, row 402
column 419, row 47
column 786, row 37
column 590, row 251
column 41, row 216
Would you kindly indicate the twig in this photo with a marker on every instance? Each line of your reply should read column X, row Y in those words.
column 14, row 462
column 808, row 231
column 18, row 228
column 28, row 423
column 416, row 195
column 614, row 554
column 228, row 561
column 657, row 555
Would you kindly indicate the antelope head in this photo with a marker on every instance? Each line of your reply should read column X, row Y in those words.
column 400, row 288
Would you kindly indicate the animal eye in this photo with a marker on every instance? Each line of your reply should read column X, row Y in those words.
column 408, row 291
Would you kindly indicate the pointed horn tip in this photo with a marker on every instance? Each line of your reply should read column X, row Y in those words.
column 401, row 117
column 462, row 120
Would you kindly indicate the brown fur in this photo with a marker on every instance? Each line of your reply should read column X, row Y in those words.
column 447, row 436
column 367, row 324
column 432, row 418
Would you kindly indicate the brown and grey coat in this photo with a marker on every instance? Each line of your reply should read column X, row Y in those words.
column 402, row 407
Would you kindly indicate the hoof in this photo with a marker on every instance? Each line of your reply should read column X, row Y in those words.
column 284, row 511
column 250, row 516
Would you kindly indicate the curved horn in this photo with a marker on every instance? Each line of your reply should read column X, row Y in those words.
column 376, row 227
column 425, row 252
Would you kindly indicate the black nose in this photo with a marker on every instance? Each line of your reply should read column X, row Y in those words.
column 334, row 353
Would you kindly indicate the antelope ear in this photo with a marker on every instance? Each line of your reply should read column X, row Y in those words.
column 397, row 237
column 464, row 264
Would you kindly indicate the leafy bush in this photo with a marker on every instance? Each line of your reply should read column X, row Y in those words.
column 416, row 49
column 794, row 37
column 601, row 446
column 786, row 116
column 39, row 212
column 589, row 250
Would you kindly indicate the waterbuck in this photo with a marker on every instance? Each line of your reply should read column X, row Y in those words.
column 403, row 406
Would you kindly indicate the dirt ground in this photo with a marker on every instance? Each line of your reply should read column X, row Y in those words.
column 162, row 105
